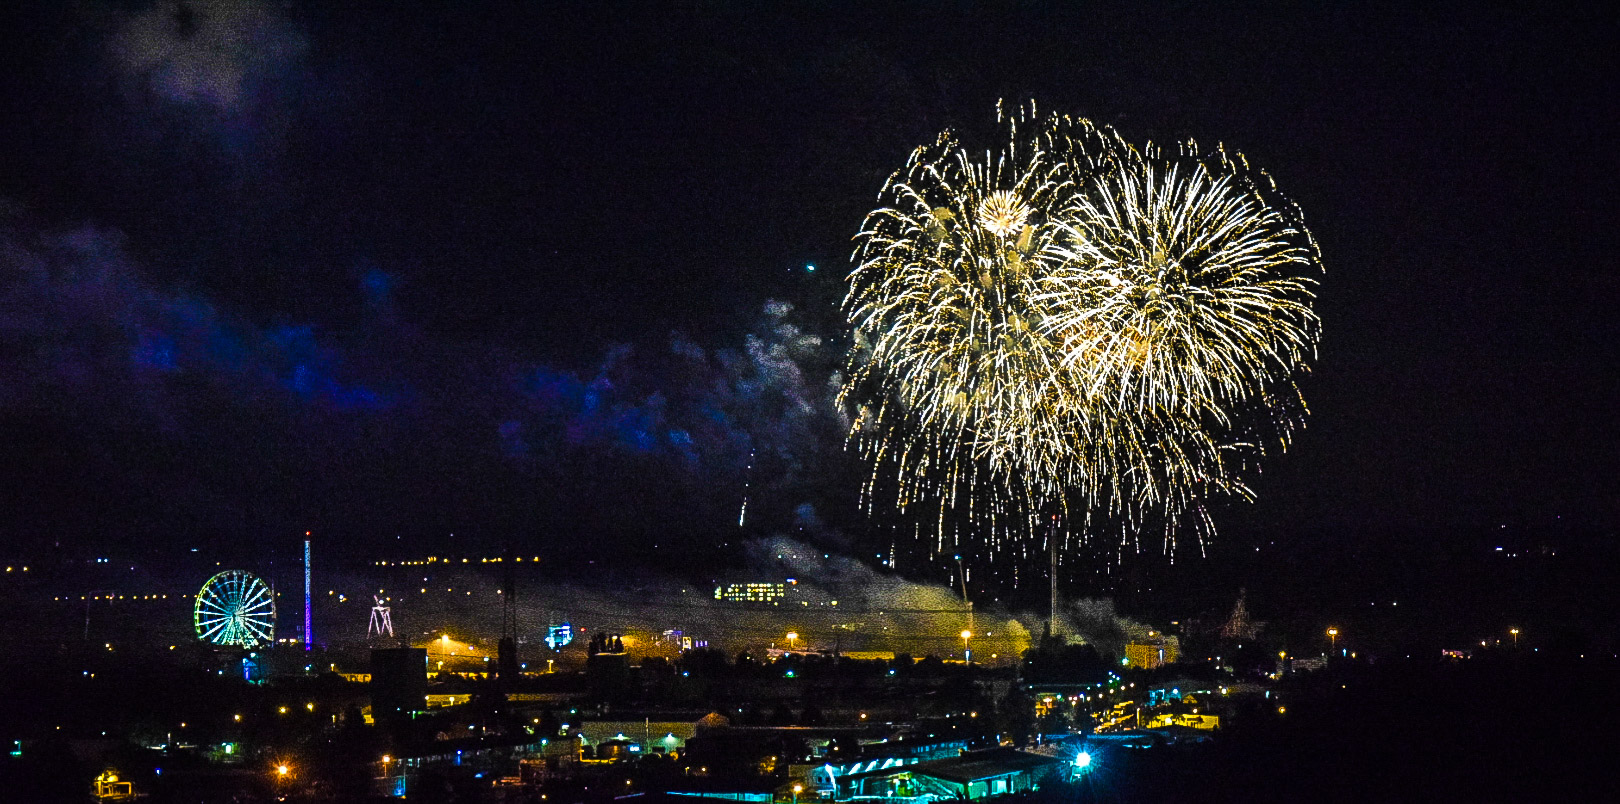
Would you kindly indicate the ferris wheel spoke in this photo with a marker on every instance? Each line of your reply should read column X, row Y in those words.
column 211, row 606
column 256, row 593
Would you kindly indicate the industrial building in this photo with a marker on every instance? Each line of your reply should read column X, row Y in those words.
column 1154, row 650
column 972, row 777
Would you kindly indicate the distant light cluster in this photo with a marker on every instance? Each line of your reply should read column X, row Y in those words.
column 757, row 592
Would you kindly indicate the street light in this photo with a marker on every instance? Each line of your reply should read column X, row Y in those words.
column 1515, row 633
column 792, row 636
column 967, row 651
column 1333, row 637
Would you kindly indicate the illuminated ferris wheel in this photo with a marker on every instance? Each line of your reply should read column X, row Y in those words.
column 237, row 608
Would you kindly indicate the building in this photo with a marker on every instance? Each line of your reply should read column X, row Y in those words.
column 1155, row 650
column 875, row 756
column 398, row 682
column 650, row 733
column 972, row 777
column 1185, row 720
column 768, row 593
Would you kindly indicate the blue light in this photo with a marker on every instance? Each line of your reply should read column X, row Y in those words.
column 1082, row 760
column 810, row 267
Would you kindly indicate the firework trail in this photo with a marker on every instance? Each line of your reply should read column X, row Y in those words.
column 1075, row 326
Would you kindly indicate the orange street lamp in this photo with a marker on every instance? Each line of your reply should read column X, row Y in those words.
column 1333, row 637
column 967, row 650
column 1515, row 633
column 792, row 636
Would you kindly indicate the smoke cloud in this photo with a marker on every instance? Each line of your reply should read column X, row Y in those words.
column 833, row 603
column 216, row 53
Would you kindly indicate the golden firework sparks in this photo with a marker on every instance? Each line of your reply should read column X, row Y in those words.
column 1075, row 318
column 1002, row 214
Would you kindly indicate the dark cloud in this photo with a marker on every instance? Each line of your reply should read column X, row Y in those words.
column 89, row 337
column 77, row 315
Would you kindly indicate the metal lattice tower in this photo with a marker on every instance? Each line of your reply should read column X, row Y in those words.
column 382, row 622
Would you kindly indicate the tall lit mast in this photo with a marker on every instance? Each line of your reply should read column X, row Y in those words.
column 309, row 635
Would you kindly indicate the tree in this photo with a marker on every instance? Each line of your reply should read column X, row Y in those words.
column 1016, row 716
column 811, row 716
column 781, row 715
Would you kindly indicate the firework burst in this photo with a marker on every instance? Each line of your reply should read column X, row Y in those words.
column 1073, row 322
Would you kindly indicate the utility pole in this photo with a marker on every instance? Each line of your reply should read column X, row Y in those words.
column 962, row 573
column 967, row 651
column 506, row 653
column 1051, row 542
column 93, row 595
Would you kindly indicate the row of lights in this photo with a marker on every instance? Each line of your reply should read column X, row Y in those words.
column 442, row 560
column 116, row 597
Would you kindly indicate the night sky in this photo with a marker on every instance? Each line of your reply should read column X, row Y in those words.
column 536, row 276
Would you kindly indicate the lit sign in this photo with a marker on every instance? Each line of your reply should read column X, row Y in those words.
column 559, row 635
